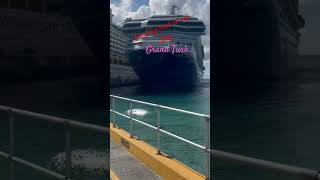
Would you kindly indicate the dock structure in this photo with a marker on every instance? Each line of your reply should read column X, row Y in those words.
column 126, row 167
column 132, row 158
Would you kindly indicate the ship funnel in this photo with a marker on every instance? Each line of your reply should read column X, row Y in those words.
column 172, row 9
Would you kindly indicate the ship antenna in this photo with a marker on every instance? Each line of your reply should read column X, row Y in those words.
column 173, row 8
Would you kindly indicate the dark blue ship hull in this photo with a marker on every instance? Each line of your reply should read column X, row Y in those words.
column 165, row 70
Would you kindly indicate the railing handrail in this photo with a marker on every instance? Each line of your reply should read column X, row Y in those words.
column 155, row 128
column 163, row 131
column 67, row 123
column 303, row 173
column 53, row 119
column 162, row 107
column 206, row 120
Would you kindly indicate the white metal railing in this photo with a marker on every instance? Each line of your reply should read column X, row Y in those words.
column 206, row 120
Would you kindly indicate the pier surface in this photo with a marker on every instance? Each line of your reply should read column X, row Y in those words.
column 132, row 158
column 125, row 166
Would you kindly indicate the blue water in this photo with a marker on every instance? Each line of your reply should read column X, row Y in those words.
column 186, row 126
column 279, row 122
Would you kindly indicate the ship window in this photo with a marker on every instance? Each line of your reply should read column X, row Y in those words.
column 178, row 43
column 157, row 22
column 135, row 31
column 189, row 29
column 131, row 25
column 170, row 29
column 192, row 23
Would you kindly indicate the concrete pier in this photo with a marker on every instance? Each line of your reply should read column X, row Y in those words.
column 132, row 158
column 125, row 166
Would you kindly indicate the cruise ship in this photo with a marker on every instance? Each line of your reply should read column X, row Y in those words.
column 256, row 41
column 166, row 70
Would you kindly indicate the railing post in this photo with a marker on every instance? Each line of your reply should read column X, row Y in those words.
column 131, row 132
column 11, row 143
column 68, row 149
column 113, row 119
column 158, row 131
column 207, row 144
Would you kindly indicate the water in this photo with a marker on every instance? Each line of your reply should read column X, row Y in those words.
column 43, row 143
column 186, row 126
column 280, row 122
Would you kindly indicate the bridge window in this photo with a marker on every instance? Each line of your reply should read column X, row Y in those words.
column 192, row 23
column 158, row 22
column 131, row 25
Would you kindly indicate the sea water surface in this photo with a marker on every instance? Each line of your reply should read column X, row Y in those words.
column 278, row 121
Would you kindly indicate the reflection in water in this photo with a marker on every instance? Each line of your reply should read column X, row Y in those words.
column 137, row 112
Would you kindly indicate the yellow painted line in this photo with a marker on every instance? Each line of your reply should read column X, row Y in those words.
column 113, row 175
column 166, row 168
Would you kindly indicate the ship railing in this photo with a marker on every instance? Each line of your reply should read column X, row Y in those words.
column 205, row 118
column 68, row 126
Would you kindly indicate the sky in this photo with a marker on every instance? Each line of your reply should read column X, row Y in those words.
column 310, row 39
column 122, row 9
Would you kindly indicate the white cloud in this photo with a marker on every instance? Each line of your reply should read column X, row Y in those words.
column 142, row 12
column 199, row 8
column 120, row 9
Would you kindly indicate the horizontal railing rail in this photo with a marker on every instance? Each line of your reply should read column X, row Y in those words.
column 67, row 123
column 158, row 130
column 161, row 106
column 163, row 131
column 298, row 172
column 33, row 166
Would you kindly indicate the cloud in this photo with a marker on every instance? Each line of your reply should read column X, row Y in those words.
column 120, row 9
column 199, row 8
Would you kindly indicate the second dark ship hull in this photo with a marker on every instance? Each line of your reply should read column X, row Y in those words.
column 165, row 70
column 256, row 41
